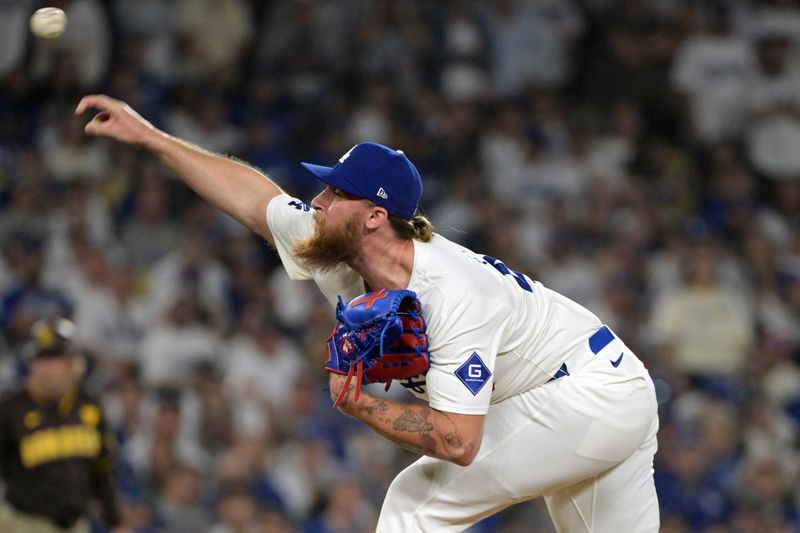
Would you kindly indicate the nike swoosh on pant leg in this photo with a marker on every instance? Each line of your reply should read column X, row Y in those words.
column 616, row 363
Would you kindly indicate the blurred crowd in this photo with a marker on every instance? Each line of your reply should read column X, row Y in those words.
column 640, row 156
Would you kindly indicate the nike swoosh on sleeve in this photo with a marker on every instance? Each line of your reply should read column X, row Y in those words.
column 616, row 363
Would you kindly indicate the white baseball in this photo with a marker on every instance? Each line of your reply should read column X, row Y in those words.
column 48, row 22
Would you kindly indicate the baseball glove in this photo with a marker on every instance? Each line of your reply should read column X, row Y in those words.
column 380, row 337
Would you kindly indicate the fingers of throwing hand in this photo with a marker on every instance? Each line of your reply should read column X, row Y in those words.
column 113, row 119
column 95, row 101
column 95, row 125
column 105, row 107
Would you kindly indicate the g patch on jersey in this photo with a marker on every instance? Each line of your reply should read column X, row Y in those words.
column 473, row 373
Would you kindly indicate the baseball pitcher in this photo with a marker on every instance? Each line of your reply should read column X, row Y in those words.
column 528, row 393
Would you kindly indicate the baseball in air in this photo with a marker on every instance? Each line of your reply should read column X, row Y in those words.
column 48, row 22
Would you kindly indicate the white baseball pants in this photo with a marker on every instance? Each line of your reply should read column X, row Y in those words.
column 585, row 442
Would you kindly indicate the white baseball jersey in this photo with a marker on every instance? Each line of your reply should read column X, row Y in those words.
column 585, row 442
column 488, row 341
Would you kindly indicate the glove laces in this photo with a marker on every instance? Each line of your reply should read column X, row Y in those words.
column 357, row 369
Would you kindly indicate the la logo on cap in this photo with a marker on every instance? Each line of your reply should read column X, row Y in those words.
column 371, row 170
column 345, row 156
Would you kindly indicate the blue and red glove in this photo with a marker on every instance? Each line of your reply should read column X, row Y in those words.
column 380, row 337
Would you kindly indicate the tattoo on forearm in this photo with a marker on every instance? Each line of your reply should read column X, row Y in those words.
column 413, row 422
column 444, row 440
column 452, row 439
column 373, row 409
column 416, row 421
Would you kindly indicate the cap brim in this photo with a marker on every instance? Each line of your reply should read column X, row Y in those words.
column 31, row 352
column 52, row 355
column 327, row 175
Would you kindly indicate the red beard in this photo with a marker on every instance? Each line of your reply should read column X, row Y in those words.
column 328, row 247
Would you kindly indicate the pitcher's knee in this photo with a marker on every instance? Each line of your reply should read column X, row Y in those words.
column 408, row 500
column 403, row 496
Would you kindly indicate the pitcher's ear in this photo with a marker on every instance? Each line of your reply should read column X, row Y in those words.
column 377, row 217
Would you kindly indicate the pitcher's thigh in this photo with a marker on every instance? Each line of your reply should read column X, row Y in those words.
column 620, row 499
column 433, row 495
column 524, row 454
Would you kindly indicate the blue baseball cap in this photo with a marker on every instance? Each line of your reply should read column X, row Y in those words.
column 376, row 173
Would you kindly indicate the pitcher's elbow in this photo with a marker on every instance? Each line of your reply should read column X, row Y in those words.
column 467, row 455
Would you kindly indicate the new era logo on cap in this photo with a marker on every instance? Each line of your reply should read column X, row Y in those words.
column 370, row 167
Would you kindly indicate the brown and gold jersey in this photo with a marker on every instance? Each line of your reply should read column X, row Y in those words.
column 54, row 457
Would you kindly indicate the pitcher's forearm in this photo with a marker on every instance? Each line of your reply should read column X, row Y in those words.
column 416, row 427
column 236, row 188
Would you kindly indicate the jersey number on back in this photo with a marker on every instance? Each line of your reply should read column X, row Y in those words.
column 504, row 270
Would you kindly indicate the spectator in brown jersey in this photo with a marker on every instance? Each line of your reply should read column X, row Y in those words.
column 55, row 451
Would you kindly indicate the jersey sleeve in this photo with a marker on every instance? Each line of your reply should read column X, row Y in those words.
column 290, row 220
column 465, row 336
